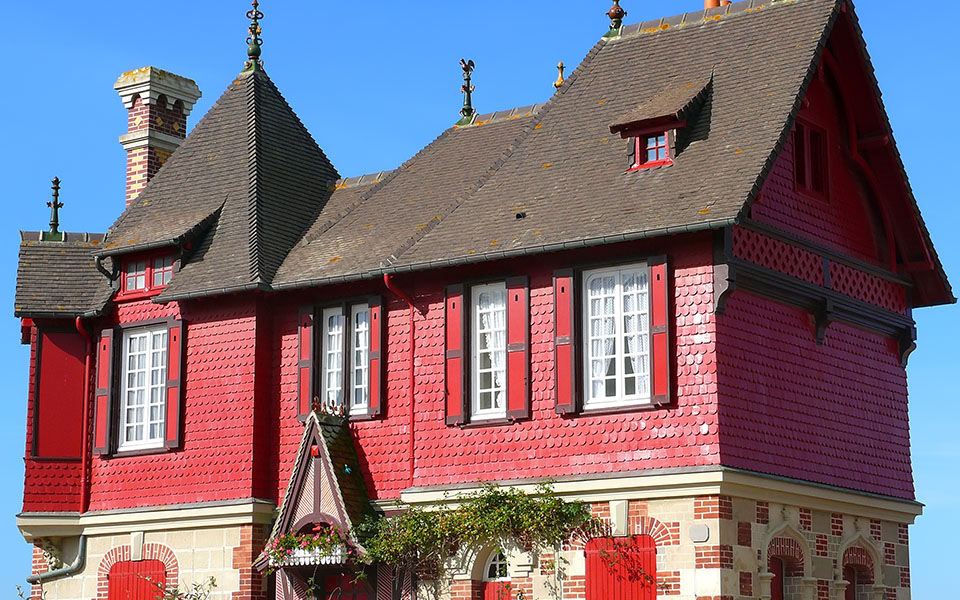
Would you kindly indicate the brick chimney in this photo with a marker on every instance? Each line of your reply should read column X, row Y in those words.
column 158, row 103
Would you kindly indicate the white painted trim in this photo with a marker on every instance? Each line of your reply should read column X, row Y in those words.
column 150, row 138
column 702, row 483
column 37, row 525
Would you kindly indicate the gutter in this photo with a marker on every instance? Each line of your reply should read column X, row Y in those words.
column 72, row 569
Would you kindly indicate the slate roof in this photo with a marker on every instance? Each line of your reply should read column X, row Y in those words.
column 59, row 279
column 263, row 209
column 247, row 182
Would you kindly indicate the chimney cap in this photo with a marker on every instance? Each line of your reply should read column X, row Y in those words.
column 149, row 83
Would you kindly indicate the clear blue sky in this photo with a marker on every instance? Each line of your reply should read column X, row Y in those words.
column 374, row 82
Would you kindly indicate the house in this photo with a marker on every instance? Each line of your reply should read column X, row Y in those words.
column 681, row 290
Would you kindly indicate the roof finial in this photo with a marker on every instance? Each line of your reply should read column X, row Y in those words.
column 254, row 42
column 467, row 111
column 559, row 81
column 616, row 15
column 55, row 206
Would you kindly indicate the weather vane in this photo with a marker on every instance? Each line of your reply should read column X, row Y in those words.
column 254, row 42
column 559, row 81
column 467, row 89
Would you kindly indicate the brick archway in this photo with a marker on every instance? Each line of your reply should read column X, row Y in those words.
column 124, row 553
column 860, row 559
column 661, row 534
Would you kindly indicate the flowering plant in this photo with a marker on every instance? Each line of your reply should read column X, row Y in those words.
column 324, row 540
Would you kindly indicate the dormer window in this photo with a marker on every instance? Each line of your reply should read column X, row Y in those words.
column 147, row 275
column 652, row 150
column 136, row 276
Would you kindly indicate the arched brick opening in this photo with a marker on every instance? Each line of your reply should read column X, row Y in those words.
column 661, row 534
column 124, row 553
column 857, row 568
column 785, row 560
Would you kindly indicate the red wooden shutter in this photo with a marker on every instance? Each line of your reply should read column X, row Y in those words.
column 456, row 361
column 103, row 407
column 377, row 363
column 305, row 374
column 518, row 348
column 565, row 341
column 174, row 384
column 659, row 330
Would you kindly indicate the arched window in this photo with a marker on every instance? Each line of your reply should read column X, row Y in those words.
column 496, row 578
column 621, row 568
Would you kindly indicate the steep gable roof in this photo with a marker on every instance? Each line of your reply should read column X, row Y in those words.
column 246, row 184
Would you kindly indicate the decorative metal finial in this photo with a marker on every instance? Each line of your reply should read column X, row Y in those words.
column 616, row 15
column 55, row 206
column 254, row 42
column 467, row 111
column 560, row 79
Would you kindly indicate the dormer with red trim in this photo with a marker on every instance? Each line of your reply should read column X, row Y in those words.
column 656, row 128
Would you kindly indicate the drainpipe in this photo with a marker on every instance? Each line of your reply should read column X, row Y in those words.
column 85, row 449
column 72, row 569
column 388, row 281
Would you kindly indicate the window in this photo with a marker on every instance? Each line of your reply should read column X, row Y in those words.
column 489, row 352
column 338, row 376
column 136, row 276
column 810, row 159
column 143, row 388
column 141, row 276
column 162, row 271
column 651, row 150
column 616, row 336
column 496, row 578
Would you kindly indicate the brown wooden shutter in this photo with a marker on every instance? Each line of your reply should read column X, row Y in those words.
column 103, row 406
column 565, row 342
column 306, row 379
column 518, row 348
column 660, row 358
column 456, row 357
column 377, row 367
column 174, row 417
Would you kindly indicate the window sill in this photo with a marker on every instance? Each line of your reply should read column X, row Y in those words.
column 496, row 422
column 52, row 459
column 616, row 410
column 650, row 165
column 138, row 295
column 137, row 452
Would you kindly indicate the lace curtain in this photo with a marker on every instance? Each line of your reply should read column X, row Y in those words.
column 493, row 317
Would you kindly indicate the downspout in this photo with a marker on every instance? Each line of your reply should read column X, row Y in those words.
column 72, row 569
column 85, row 449
column 388, row 281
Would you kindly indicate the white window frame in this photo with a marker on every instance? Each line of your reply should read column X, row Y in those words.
column 137, row 273
column 162, row 266
column 150, row 334
column 359, row 359
column 476, row 413
column 329, row 352
column 620, row 399
column 498, row 557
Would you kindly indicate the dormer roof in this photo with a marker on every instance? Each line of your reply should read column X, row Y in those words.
column 671, row 105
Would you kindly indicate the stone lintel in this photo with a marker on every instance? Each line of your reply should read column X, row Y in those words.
column 149, row 83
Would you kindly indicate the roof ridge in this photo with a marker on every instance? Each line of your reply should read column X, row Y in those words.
column 504, row 157
column 509, row 114
column 253, row 171
column 68, row 236
column 696, row 17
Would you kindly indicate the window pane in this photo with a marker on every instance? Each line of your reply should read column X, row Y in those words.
column 331, row 393
column 489, row 335
column 144, row 383
column 617, row 338
column 360, row 350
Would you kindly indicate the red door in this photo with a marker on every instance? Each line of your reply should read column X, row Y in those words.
column 495, row 590
column 136, row 580
column 622, row 568
column 776, row 584
column 850, row 574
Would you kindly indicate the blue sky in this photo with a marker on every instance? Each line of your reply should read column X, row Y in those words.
column 376, row 81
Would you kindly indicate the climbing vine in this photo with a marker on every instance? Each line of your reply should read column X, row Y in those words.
column 424, row 543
